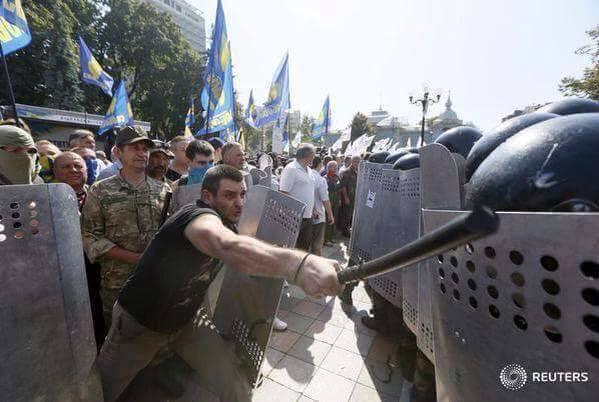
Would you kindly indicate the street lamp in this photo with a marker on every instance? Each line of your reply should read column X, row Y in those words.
column 426, row 99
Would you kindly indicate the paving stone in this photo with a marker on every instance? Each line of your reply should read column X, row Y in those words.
column 273, row 357
column 293, row 373
column 310, row 350
column 324, row 331
column 334, row 315
column 283, row 341
column 288, row 303
column 355, row 324
column 308, row 309
column 329, row 387
column 298, row 323
column 343, row 363
column 380, row 376
column 383, row 349
column 270, row 391
column 363, row 393
column 354, row 342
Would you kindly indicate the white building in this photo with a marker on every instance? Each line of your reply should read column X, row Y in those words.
column 188, row 18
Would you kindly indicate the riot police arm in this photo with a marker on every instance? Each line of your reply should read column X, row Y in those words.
column 316, row 276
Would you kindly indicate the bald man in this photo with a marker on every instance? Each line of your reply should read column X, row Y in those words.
column 70, row 168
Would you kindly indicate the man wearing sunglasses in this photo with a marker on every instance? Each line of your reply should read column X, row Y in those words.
column 160, row 157
column 18, row 156
column 200, row 156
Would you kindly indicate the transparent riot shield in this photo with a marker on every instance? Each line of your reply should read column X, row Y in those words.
column 246, row 305
column 47, row 345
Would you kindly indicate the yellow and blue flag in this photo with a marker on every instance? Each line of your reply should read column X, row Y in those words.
column 91, row 71
column 251, row 115
column 14, row 31
column 286, row 129
column 119, row 112
column 278, row 96
column 190, row 119
column 322, row 124
column 217, row 95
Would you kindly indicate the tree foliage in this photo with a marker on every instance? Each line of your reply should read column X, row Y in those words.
column 360, row 126
column 131, row 40
column 588, row 85
column 306, row 127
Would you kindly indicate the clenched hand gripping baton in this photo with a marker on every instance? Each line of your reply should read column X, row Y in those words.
column 461, row 230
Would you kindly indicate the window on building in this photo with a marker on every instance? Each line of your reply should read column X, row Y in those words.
column 178, row 8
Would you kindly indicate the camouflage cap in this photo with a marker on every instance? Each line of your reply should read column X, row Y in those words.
column 130, row 135
column 14, row 136
column 165, row 151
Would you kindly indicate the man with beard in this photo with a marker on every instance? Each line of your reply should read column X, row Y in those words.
column 160, row 158
column 164, row 293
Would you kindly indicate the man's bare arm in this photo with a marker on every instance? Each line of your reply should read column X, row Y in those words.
column 251, row 256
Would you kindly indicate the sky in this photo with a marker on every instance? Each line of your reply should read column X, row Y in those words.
column 494, row 56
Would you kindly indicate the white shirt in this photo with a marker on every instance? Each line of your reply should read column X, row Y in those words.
column 321, row 194
column 298, row 181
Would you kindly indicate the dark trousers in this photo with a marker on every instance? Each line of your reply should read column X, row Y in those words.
column 304, row 239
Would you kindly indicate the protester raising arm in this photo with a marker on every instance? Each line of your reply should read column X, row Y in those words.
column 317, row 276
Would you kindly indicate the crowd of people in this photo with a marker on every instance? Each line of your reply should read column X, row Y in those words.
column 123, row 204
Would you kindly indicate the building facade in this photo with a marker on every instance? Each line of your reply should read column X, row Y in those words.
column 404, row 134
column 188, row 18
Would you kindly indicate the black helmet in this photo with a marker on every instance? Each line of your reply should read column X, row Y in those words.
column 378, row 157
column 492, row 139
column 551, row 165
column 396, row 155
column 569, row 106
column 459, row 140
column 407, row 162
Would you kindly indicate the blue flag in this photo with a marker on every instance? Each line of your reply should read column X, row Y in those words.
column 189, row 119
column 217, row 95
column 278, row 96
column 119, row 112
column 251, row 114
column 322, row 124
column 286, row 129
column 91, row 71
column 14, row 31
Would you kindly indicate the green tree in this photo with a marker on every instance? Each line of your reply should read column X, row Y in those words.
column 45, row 73
column 360, row 126
column 306, row 127
column 132, row 41
column 588, row 85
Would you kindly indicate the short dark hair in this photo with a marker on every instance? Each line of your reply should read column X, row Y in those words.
column 317, row 161
column 215, row 174
column 229, row 146
column 198, row 147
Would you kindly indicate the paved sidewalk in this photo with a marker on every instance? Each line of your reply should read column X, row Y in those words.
column 326, row 354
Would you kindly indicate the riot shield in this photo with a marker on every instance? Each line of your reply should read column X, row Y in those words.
column 246, row 305
column 389, row 235
column 47, row 344
column 441, row 188
column 366, row 212
column 409, row 202
column 266, row 180
column 517, row 304
column 184, row 195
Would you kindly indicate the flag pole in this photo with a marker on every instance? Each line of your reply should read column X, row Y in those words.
column 10, row 89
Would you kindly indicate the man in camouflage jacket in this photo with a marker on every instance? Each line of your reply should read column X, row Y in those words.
column 121, row 215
